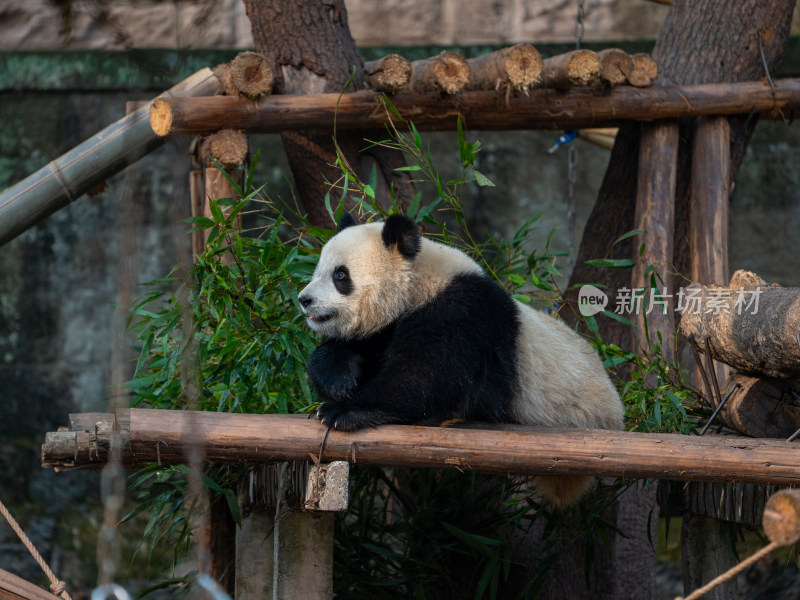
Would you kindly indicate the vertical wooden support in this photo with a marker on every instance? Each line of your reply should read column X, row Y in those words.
column 708, row 210
column 709, row 553
column 655, row 216
column 706, row 547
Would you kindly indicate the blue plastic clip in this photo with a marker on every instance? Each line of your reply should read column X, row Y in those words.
column 566, row 138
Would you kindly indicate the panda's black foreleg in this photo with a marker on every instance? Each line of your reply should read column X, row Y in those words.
column 334, row 370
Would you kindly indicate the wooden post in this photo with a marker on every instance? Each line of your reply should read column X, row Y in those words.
column 655, row 216
column 706, row 551
column 708, row 211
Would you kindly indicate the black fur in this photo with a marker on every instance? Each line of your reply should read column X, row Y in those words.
column 341, row 280
column 402, row 232
column 345, row 221
column 454, row 357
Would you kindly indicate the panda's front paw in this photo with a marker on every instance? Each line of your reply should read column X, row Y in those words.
column 340, row 417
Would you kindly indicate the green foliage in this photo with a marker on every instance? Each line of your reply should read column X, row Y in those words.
column 247, row 343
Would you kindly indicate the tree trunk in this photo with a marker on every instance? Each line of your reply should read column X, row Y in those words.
column 703, row 41
column 310, row 49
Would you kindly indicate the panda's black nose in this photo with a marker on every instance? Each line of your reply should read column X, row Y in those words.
column 304, row 300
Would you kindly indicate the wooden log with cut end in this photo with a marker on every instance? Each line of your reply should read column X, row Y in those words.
column 160, row 435
column 579, row 68
column 753, row 329
column 644, row 72
column 389, row 74
column 764, row 407
column 447, row 72
column 248, row 74
column 781, row 519
column 541, row 109
column 615, row 66
column 228, row 147
column 518, row 68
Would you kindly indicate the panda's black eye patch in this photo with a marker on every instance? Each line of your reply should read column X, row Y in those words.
column 342, row 281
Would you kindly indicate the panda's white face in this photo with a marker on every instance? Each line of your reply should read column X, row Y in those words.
column 360, row 284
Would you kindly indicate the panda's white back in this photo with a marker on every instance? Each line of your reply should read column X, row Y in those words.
column 560, row 379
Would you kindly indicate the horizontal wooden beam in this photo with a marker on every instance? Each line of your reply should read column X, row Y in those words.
column 541, row 109
column 159, row 435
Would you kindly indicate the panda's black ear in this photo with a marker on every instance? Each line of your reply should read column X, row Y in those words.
column 345, row 221
column 401, row 231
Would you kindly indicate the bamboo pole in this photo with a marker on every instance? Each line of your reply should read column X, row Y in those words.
column 541, row 109
column 160, row 435
column 66, row 178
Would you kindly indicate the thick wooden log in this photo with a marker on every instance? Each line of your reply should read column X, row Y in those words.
column 615, row 66
column 160, row 435
column 765, row 407
column 517, row 68
column 644, row 72
column 389, row 74
column 447, row 72
column 541, row 109
column 578, row 68
column 753, row 329
column 781, row 520
column 251, row 75
column 655, row 216
column 89, row 164
column 708, row 211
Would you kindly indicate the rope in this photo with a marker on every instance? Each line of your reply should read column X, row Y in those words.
column 58, row 587
column 731, row 573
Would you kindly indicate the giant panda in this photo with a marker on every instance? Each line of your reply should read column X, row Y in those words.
column 418, row 333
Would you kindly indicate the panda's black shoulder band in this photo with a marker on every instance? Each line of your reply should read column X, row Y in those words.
column 345, row 221
column 402, row 232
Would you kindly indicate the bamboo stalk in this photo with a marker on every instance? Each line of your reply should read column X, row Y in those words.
column 160, row 435
column 90, row 163
column 541, row 109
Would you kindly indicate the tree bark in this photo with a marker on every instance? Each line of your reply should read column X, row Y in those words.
column 310, row 50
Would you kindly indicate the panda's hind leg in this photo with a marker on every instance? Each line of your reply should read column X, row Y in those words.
column 560, row 491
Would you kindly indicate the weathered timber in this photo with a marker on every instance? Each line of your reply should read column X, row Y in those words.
column 516, row 68
column 655, row 217
column 154, row 435
column 578, row 68
column 781, row 520
column 16, row 588
column 708, row 211
column 389, row 74
column 447, row 72
column 604, row 137
column 89, row 164
column 752, row 329
column 540, row 109
column 644, row 72
column 615, row 66
column 765, row 407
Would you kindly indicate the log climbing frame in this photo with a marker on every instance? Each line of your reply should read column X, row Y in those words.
column 164, row 436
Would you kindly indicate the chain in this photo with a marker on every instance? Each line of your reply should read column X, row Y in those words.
column 579, row 27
